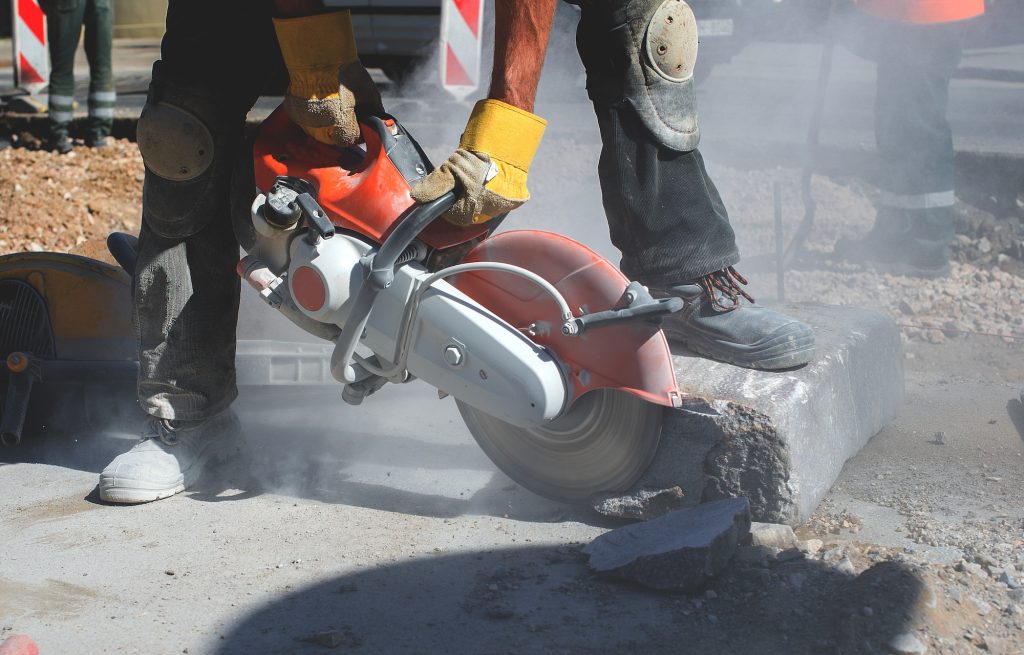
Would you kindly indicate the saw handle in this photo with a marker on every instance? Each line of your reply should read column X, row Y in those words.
column 639, row 306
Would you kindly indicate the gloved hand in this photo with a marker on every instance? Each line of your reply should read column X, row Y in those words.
column 488, row 170
column 327, row 81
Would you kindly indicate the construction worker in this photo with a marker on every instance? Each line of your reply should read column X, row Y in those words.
column 64, row 21
column 663, row 210
column 917, row 44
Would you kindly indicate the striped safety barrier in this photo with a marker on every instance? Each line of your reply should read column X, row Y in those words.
column 461, row 27
column 31, row 60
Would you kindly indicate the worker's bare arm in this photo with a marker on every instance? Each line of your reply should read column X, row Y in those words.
column 521, row 30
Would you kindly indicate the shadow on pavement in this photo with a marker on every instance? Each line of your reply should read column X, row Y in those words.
column 544, row 600
column 1015, row 408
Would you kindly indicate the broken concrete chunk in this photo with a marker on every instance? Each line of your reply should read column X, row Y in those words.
column 681, row 550
column 773, row 535
column 641, row 505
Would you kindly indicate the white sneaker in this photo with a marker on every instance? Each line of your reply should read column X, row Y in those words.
column 169, row 459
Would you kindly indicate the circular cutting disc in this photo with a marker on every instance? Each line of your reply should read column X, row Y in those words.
column 604, row 443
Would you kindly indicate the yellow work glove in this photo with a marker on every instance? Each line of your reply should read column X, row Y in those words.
column 327, row 81
column 488, row 170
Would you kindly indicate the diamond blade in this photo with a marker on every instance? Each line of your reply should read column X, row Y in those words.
column 604, row 443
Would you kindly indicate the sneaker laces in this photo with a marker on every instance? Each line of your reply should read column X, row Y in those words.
column 162, row 429
column 725, row 283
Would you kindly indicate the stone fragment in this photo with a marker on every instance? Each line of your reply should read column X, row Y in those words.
column 972, row 568
column 811, row 546
column 906, row 643
column 773, row 535
column 1016, row 594
column 1007, row 579
column 681, row 550
column 789, row 555
column 754, row 554
column 983, row 608
column 846, row 566
column 994, row 645
column 640, row 505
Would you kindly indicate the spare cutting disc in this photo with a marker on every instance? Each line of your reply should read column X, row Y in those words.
column 604, row 442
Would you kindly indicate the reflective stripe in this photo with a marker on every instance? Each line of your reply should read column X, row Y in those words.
column 101, row 112
column 103, row 96
column 64, row 101
column 919, row 201
column 61, row 116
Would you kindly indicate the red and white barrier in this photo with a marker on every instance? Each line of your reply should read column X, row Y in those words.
column 461, row 27
column 31, row 59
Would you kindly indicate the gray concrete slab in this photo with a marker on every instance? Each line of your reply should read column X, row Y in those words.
column 779, row 438
column 681, row 550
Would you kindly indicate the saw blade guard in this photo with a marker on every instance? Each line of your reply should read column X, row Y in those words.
column 633, row 356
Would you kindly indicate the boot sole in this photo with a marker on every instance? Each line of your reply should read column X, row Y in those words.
column 786, row 350
column 134, row 495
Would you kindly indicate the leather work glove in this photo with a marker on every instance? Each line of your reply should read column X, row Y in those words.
column 327, row 81
column 488, row 170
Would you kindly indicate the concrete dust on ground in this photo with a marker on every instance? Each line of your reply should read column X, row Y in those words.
column 384, row 529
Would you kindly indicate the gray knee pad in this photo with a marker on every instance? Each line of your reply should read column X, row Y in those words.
column 662, row 44
column 186, row 145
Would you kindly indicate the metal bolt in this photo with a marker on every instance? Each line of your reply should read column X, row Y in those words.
column 453, row 356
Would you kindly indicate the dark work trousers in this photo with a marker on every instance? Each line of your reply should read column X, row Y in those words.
column 64, row 22
column 216, row 58
column 664, row 213
column 915, row 145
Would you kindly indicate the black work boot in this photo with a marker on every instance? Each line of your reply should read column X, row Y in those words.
column 901, row 242
column 60, row 143
column 721, row 321
column 96, row 139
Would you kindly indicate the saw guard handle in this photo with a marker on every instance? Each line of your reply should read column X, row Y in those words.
column 632, row 355
column 380, row 273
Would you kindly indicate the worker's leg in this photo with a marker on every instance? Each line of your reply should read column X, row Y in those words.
column 663, row 210
column 914, row 140
column 99, row 29
column 63, row 29
column 915, row 221
column 185, row 288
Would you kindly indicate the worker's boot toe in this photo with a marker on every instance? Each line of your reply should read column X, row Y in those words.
column 720, row 321
column 61, row 144
column 170, row 458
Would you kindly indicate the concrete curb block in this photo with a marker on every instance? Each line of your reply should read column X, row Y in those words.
column 778, row 438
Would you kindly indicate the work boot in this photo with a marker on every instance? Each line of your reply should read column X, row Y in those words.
column 96, row 140
column 170, row 457
column 720, row 320
column 60, row 143
column 902, row 243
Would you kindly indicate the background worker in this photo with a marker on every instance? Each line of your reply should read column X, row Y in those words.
column 663, row 210
column 64, row 21
column 917, row 44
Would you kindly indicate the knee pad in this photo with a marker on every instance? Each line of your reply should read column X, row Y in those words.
column 659, row 83
column 186, row 143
